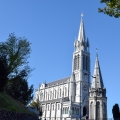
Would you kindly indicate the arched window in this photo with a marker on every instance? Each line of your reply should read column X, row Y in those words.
column 58, row 106
column 91, row 109
column 78, row 62
column 84, row 111
column 98, row 110
column 50, row 94
column 53, row 107
column 46, row 95
column 63, row 110
column 41, row 96
column 67, row 110
column 60, row 92
column 65, row 91
column 48, row 107
column 55, row 93
column 73, row 110
column 75, row 63
column 83, row 62
column 77, row 111
column 86, row 63
column 104, row 110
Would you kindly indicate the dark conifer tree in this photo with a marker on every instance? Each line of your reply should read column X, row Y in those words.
column 116, row 112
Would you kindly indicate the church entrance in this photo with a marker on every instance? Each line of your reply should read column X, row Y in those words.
column 84, row 111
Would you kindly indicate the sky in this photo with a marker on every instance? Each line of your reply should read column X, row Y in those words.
column 51, row 27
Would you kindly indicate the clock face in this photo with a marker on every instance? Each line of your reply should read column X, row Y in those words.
column 85, row 87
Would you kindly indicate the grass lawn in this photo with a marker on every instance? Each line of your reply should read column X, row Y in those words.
column 9, row 104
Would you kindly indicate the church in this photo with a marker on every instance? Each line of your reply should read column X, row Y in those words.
column 75, row 97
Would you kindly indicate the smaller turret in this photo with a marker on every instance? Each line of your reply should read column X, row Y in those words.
column 97, row 81
column 97, row 95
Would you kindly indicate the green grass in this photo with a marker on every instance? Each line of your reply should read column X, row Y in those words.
column 10, row 104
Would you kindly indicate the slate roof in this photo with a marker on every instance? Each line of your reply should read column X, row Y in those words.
column 58, row 81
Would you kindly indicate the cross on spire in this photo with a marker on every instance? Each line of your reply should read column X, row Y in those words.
column 96, row 50
column 82, row 15
column 81, row 34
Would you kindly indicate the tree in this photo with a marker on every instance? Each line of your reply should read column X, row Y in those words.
column 112, row 8
column 115, row 111
column 19, row 90
column 17, row 51
column 37, row 105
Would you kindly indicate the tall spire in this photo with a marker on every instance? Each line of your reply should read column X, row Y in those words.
column 97, row 81
column 81, row 34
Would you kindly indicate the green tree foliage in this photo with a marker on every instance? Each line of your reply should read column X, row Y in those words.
column 112, row 8
column 36, row 104
column 19, row 90
column 17, row 51
column 115, row 111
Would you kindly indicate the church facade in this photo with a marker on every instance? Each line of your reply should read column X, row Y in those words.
column 74, row 96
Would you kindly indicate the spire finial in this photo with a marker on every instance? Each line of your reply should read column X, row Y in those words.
column 81, row 34
column 82, row 15
column 96, row 51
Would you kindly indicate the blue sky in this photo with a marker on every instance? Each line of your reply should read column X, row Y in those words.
column 51, row 26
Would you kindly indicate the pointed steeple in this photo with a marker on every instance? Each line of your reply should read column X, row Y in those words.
column 97, row 81
column 81, row 34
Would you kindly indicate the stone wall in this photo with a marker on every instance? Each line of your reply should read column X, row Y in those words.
column 9, row 115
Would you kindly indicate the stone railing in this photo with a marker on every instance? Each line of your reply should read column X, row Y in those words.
column 9, row 115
